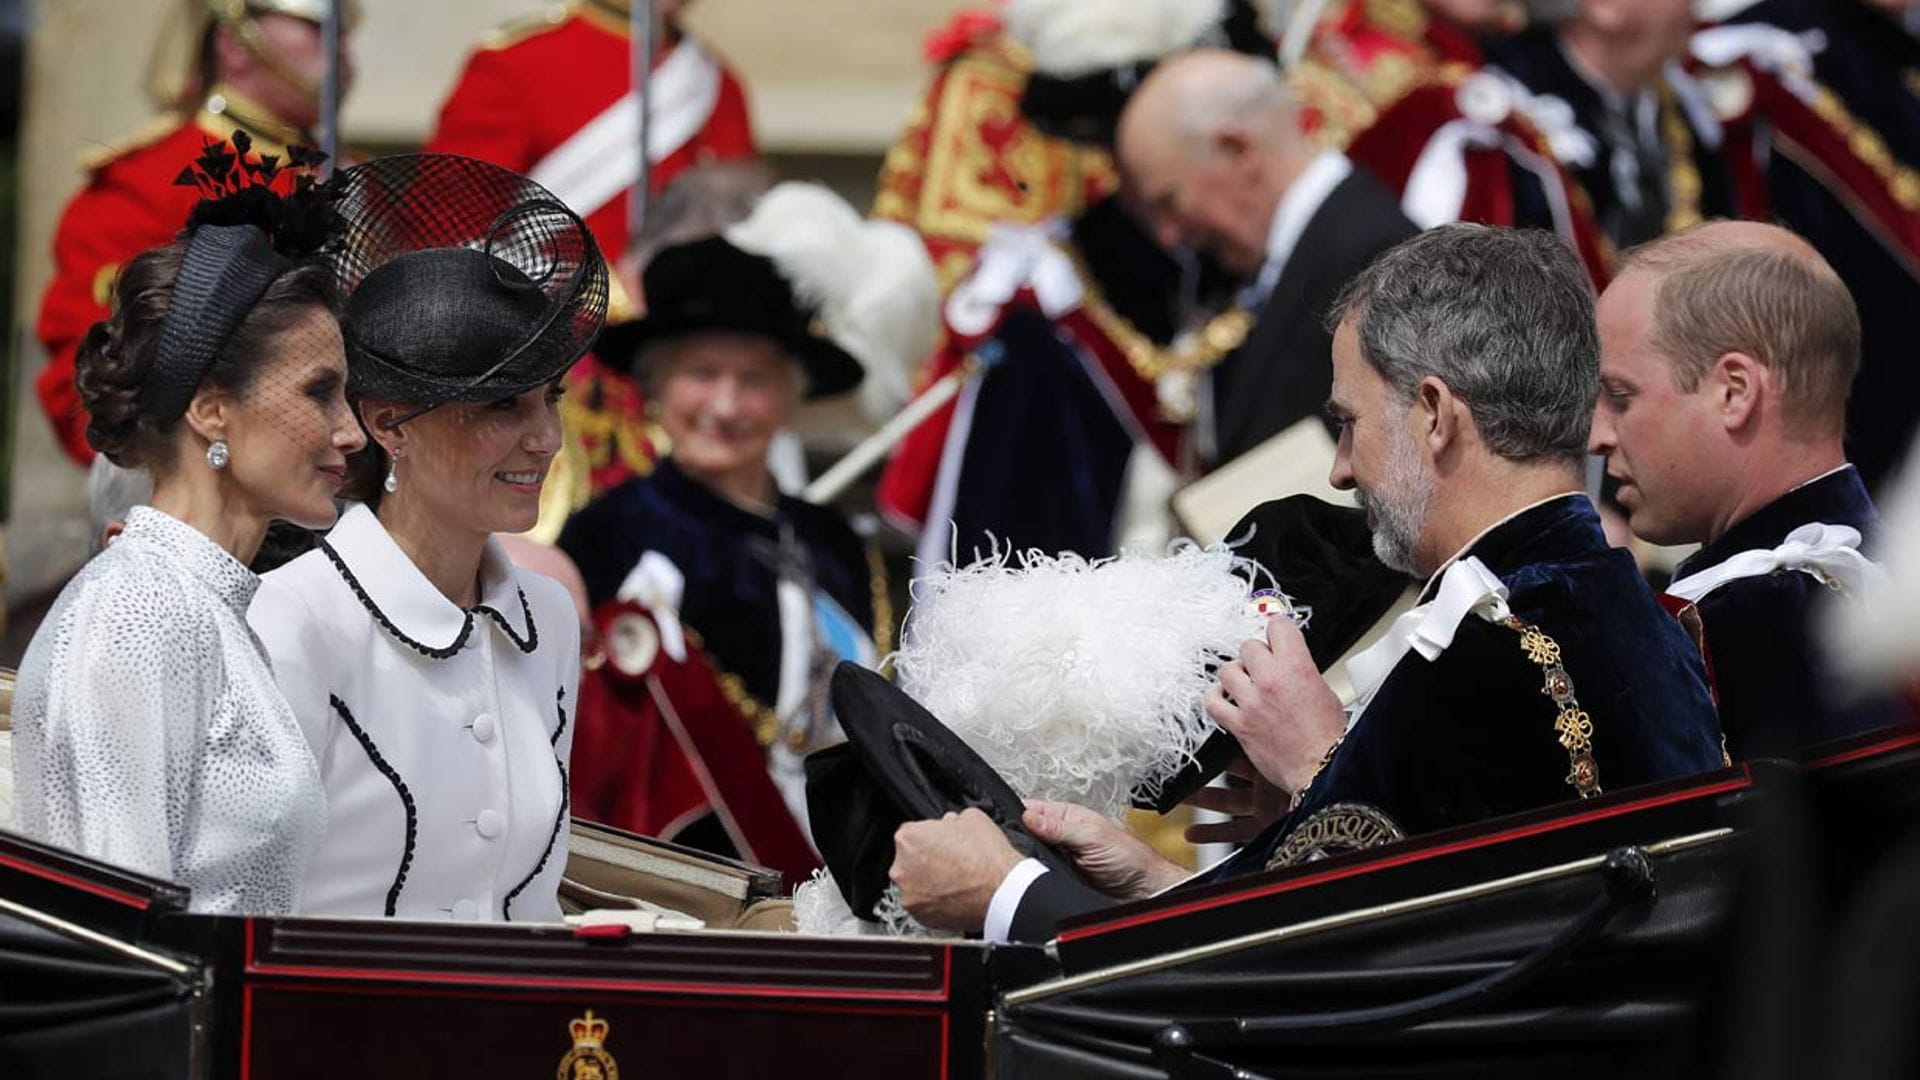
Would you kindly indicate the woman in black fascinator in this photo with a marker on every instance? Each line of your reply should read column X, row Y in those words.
column 436, row 679
column 150, row 731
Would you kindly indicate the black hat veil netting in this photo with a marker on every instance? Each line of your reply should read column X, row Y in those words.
column 464, row 281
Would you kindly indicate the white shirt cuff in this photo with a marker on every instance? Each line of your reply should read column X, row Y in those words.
column 1006, row 899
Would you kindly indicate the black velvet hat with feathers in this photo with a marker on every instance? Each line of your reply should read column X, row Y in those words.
column 258, row 218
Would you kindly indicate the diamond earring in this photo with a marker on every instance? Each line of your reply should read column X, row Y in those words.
column 218, row 455
column 392, row 482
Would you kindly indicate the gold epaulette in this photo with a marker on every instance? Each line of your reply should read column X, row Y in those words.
column 549, row 17
column 156, row 129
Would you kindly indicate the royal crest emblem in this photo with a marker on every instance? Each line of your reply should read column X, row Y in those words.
column 589, row 1059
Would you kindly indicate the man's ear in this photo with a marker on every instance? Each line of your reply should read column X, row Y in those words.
column 1233, row 144
column 1440, row 414
column 1739, row 383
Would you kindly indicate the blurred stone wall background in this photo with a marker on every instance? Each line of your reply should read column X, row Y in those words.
column 830, row 83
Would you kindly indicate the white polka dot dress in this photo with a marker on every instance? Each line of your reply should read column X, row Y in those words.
column 149, row 731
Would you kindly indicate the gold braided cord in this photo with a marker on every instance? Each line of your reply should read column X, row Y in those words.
column 764, row 722
column 1198, row 352
column 878, row 581
column 1683, row 176
column 1868, row 145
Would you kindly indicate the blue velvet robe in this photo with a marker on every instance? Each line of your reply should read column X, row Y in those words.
column 728, row 557
column 1470, row 735
column 1759, row 630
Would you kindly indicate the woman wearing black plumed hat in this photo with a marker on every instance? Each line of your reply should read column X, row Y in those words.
column 792, row 304
column 435, row 680
column 149, row 729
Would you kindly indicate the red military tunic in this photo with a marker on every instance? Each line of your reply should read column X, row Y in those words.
column 530, row 88
column 129, row 205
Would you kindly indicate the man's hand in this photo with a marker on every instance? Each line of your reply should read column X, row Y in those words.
column 1253, row 805
column 948, row 869
column 1107, row 856
column 1274, row 701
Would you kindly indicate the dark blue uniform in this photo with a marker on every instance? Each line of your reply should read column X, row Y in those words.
column 1759, row 630
column 1470, row 735
column 730, row 558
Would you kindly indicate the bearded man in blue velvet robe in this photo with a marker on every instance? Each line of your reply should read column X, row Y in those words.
column 1538, row 668
column 1727, row 355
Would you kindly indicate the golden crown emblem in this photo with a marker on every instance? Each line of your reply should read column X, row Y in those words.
column 588, row 1060
column 588, row 1031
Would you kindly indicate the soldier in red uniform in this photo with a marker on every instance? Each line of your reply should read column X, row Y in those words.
column 260, row 66
column 552, row 97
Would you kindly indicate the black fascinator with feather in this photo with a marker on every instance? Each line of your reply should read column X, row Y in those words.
column 257, row 218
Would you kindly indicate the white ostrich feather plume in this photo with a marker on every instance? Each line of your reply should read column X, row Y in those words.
column 890, row 319
column 871, row 282
column 1070, row 38
column 1078, row 681
column 818, row 908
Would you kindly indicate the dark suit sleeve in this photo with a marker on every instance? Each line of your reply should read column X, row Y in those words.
column 1050, row 899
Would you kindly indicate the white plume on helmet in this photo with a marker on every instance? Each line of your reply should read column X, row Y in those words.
column 871, row 282
column 1070, row 38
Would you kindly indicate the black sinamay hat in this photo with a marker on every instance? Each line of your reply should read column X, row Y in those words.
column 710, row 284
column 464, row 281
column 1085, row 106
column 899, row 764
column 1321, row 556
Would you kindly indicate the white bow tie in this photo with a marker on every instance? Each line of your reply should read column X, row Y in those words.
column 1467, row 588
column 1829, row 553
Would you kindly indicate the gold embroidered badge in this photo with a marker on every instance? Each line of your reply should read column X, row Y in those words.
column 1336, row 830
column 589, row 1059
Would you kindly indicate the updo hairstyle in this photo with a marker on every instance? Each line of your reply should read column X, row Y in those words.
column 116, row 358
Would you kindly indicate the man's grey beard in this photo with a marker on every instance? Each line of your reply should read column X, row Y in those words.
column 1399, row 505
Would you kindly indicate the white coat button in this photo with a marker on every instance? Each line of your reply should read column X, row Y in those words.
column 490, row 824
column 466, row 910
column 483, row 728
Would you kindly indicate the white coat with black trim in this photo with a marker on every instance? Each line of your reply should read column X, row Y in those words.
column 442, row 734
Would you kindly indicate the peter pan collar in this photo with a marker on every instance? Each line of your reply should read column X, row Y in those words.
column 408, row 606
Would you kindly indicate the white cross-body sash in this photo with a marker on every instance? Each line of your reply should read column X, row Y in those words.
column 1467, row 588
column 602, row 159
column 1828, row 553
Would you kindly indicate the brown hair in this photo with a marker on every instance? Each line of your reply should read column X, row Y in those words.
column 116, row 358
column 1787, row 310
